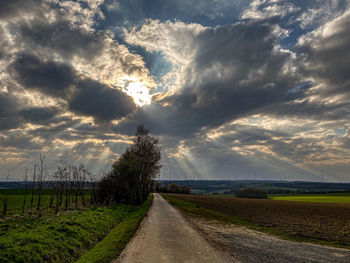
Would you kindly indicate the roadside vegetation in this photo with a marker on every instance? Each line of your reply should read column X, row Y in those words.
column 300, row 221
column 62, row 213
column 64, row 238
column 112, row 245
column 57, row 238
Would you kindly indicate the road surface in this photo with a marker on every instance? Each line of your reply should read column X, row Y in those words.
column 166, row 236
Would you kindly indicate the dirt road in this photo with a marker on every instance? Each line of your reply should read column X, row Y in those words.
column 165, row 236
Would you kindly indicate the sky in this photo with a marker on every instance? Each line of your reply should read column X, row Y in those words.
column 233, row 89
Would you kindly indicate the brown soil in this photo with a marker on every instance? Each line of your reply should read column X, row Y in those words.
column 322, row 221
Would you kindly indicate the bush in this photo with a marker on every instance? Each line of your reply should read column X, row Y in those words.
column 250, row 192
column 110, row 190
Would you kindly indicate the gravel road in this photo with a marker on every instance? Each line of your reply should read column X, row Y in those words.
column 249, row 246
column 166, row 236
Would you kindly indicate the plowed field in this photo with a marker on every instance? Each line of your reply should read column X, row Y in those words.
column 321, row 221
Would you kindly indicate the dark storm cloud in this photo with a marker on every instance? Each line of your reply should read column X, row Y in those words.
column 51, row 78
column 9, row 8
column 15, row 113
column 237, row 70
column 100, row 101
column 8, row 112
column 7, row 104
column 62, row 37
column 38, row 114
column 84, row 96
column 324, row 55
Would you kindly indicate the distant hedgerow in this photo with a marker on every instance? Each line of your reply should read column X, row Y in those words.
column 250, row 192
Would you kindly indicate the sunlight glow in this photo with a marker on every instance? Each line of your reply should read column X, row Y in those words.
column 139, row 92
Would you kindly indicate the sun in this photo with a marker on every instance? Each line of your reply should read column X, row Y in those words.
column 139, row 92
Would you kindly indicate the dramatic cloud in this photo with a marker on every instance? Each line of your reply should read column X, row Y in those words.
column 9, row 8
column 8, row 111
column 54, row 79
column 86, row 97
column 38, row 114
column 232, row 71
column 233, row 89
column 325, row 56
column 101, row 102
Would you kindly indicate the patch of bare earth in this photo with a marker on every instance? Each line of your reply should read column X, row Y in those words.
column 329, row 222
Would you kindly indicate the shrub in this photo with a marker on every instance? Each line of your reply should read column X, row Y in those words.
column 250, row 192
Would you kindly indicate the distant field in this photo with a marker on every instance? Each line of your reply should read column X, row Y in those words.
column 16, row 196
column 15, row 202
column 343, row 198
column 316, row 222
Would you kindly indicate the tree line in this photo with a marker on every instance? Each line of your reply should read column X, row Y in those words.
column 172, row 188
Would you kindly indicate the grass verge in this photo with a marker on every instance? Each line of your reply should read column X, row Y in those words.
column 194, row 209
column 57, row 238
column 112, row 245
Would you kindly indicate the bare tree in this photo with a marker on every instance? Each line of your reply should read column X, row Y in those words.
column 33, row 187
column 52, row 188
column 42, row 171
column 93, row 181
column 25, row 179
column 60, row 177
column 67, row 192
column 5, row 200
column 82, row 179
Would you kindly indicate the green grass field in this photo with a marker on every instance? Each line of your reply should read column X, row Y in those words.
column 342, row 198
column 15, row 202
column 16, row 196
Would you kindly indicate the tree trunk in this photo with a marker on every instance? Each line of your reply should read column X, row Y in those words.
column 33, row 188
